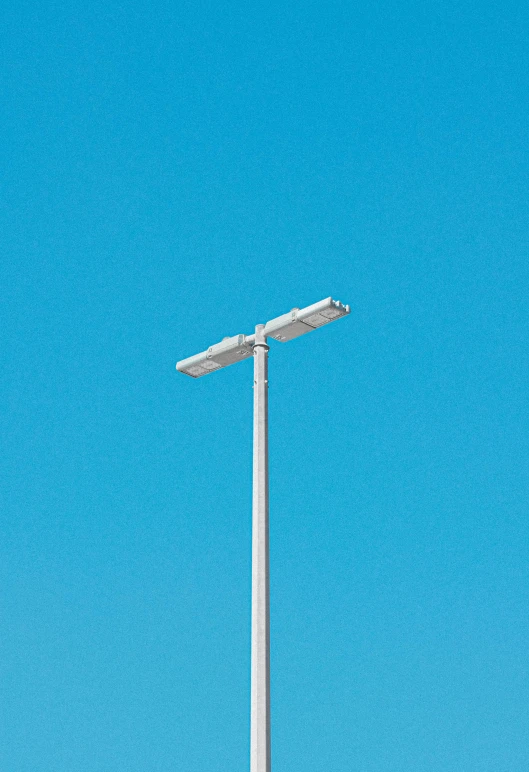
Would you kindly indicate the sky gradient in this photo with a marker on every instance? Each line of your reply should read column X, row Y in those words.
column 173, row 173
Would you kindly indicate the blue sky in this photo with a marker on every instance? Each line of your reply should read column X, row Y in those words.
column 176, row 172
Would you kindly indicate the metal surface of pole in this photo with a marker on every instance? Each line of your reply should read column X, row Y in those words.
column 260, row 677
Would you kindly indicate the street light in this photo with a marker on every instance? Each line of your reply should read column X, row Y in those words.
column 229, row 351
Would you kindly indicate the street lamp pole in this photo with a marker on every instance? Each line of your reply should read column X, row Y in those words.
column 229, row 351
column 260, row 679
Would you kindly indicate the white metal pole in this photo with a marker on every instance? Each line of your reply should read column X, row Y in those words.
column 260, row 713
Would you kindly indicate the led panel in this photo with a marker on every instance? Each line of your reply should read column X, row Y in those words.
column 227, row 352
column 300, row 321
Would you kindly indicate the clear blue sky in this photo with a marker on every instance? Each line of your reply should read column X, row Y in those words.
column 176, row 172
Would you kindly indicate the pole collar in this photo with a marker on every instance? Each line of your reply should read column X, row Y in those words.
column 260, row 337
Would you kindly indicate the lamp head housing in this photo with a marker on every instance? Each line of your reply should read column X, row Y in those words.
column 300, row 321
column 227, row 352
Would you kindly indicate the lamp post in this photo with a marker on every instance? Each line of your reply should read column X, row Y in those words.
column 229, row 351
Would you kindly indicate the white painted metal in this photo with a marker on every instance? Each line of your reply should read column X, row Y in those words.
column 260, row 683
column 287, row 327
column 300, row 321
column 227, row 352
column 283, row 328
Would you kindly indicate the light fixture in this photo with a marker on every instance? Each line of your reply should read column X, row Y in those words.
column 300, row 321
column 227, row 352
column 283, row 328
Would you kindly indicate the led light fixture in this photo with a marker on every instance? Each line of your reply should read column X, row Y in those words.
column 300, row 321
column 227, row 352
column 283, row 328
